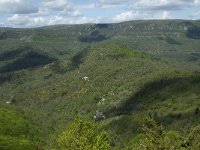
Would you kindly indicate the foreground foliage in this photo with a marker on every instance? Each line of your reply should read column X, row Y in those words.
column 157, row 138
column 82, row 135
column 16, row 132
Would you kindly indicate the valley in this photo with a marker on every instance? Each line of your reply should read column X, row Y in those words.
column 51, row 75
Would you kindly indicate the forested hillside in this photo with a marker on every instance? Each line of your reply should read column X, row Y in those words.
column 101, row 80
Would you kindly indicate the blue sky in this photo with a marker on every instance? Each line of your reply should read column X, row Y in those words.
column 34, row 13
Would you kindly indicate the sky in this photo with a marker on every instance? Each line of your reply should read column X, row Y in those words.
column 35, row 13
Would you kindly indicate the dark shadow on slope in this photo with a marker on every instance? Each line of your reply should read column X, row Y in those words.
column 155, row 92
column 78, row 58
column 101, row 26
column 172, row 41
column 124, row 127
column 188, row 119
column 9, row 77
column 169, row 40
column 95, row 36
column 29, row 60
column 2, row 36
column 14, row 53
column 193, row 32
column 75, row 62
column 194, row 57
column 127, row 126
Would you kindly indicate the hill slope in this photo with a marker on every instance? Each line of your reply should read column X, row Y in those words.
column 125, row 71
column 176, row 41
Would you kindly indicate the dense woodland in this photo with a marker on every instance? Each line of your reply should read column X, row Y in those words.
column 132, row 85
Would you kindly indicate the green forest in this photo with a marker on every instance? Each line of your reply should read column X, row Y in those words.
column 124, row 86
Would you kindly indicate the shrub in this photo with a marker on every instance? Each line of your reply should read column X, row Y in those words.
column 157, row 138
column 82, row 135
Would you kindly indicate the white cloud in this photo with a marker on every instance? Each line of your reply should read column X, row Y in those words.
column 17, row 7
column 196, row 15
column 164, row 4
column 164, row 15
column 25, row 21
column 33, row 21
column 197, row 2
column 59, row 7
column 50, row 12
column 71, row 13
column 129, row 15
column 29, row 13
column 85, row 6
column 110, row 3
column 55, row 5
column 17, row 19
column 154, row 9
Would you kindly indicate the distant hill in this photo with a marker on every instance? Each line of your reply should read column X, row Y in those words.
column 170, row 39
